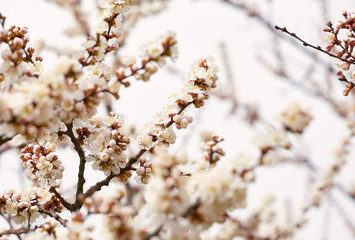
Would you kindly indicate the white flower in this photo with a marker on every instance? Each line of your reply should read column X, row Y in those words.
column 128, row 60
column 145, row 140
column 272, row 138
column 218, row 190
column 343, row 65
column 330, row 38
column 295, row 118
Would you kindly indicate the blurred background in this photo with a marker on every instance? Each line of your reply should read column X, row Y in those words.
column 261, row 71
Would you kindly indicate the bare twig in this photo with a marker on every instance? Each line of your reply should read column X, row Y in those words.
column 306, row 44
column 253, row 13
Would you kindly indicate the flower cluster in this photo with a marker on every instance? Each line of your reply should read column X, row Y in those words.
column 294, row 118
column 26, row 206
column 244, row 166
column 211, row 152
column 45, row 231
column 19, row 62
column 118, row 222
column 107, row 32
column 144, row 172
column 225, row 192
column 42, row 166
column 190, row 202
column 106, row 144
column 200, row 79
column 273, row 138
column 166, row 192
column 346, row 55
column 153, row 52
column 56, row 97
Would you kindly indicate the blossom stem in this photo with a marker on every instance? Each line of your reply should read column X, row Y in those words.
column 144, row 64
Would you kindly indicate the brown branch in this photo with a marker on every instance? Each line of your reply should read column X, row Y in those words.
column 81, row 179
column 4, row 140
column 64, row 202
column 17, row 232
column 55, row 216
column 306, row 44
column 81, row 153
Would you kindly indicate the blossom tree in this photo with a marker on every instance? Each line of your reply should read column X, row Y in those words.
column 131, row 182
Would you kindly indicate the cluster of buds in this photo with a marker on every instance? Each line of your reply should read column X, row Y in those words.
column 294, row 118
column 245, row 166
column 211, row 152
column 27, row 205
column 346, row 54
column 182, row 121
column 144, row 172
column 201, row 78
column 153, row 52
column 107, row 32
column 42, row 166
column 105, row 143
column 271, row 139
column 270, row 143
column 165, row 165
column 56, row 97
column 19, row 62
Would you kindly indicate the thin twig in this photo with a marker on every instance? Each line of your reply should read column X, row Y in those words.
column 252, row 13
column 306, row 44
column 55, row 216
column 17, row 232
